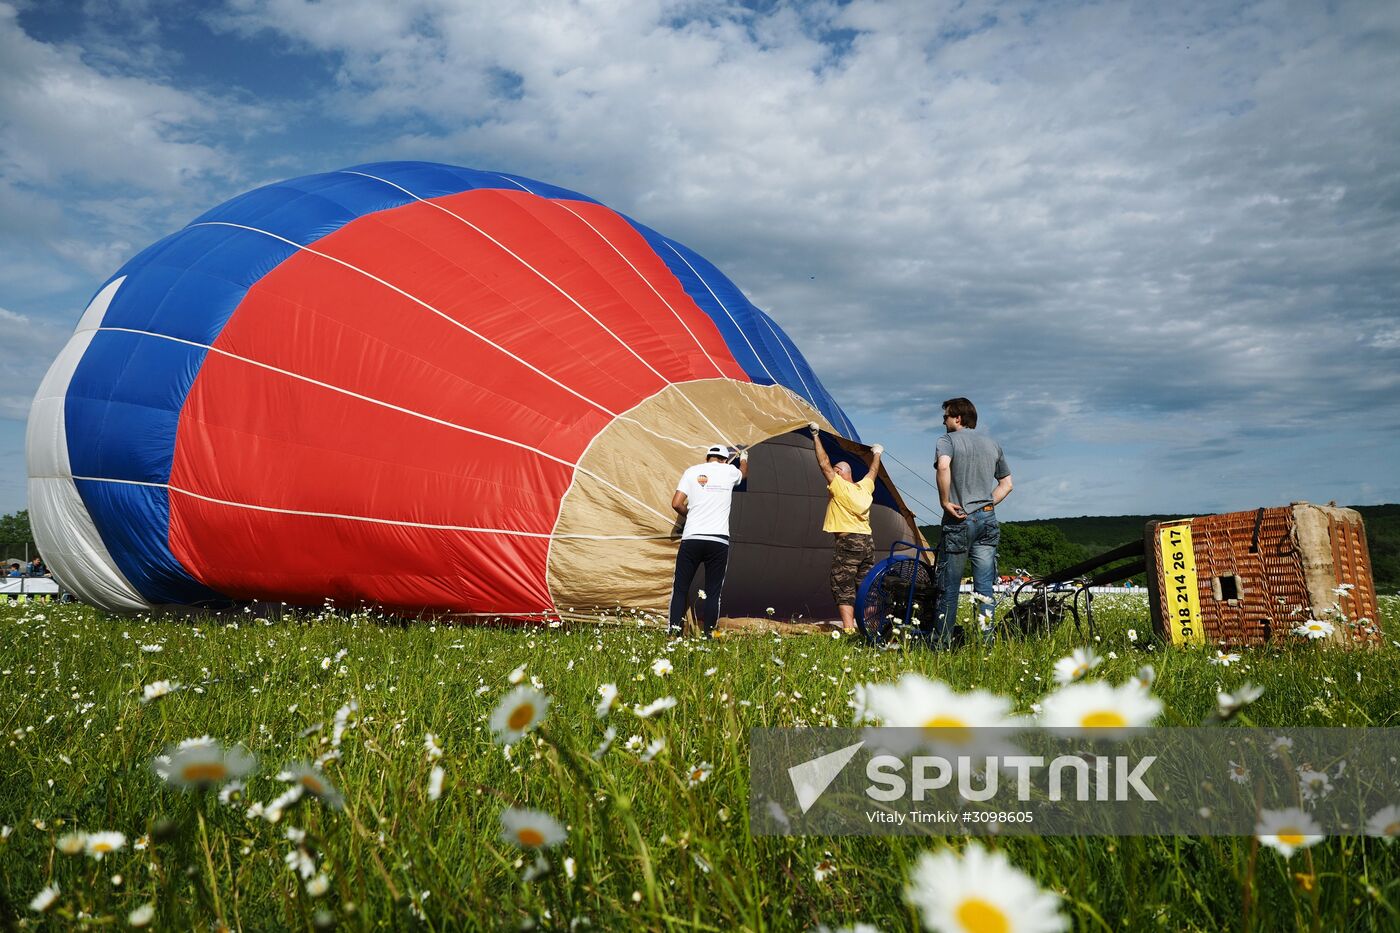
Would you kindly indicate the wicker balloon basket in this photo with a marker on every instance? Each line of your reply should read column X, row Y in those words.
column 1250, row 578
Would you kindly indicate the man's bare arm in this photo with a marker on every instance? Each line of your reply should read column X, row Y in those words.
column 1003, row 489
column 681, row 503
column 823, row 460
column 945, row 488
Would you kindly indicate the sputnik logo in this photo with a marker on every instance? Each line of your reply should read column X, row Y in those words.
column 811, row 778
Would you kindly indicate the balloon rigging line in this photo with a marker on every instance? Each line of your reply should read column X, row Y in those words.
column 912, row 471
column 445, row 317
column 723, row 307
column 662, row 298
column 764, row 318
column 391, row 406
column 811, row 396
column 907, row 495
column 524, row 262
column 363, row 518
column 647, row 282
column 665, row 381
column 414, row 299
column 579, row 305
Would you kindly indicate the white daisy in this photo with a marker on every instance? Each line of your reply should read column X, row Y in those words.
column 536, row 869
column 915, row 700
column 435, row 782
column 661, row 667
column 519, row 711
column 72, row 843
column 1146, row 677
column 157, row 689
column 344, row 720
column 980, row 892
column 653, row 749
column 1386, row 824
column 318, row 886
column 232, row 793
column 1239, row 773
column 203, row 763
column 608, row 735
column 1315, row 628
column 300, row 862
column 966, row 723
column 310, row 780
column 1224, row 659
column 141, row 916
column 531, row 829
column 1228, row 705
column 278, row 806
column 607, row 699
column 1288, row 830
column 1280, row 745
column 517, row 675
column 659, row 705
column 1077, row 666
column 1100, row 705
column 44, row 899
column 699, row 774
column 431, row 747
column 1314, row 785
column 99, row 845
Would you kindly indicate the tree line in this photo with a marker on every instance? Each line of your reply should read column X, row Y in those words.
column 1038, row 547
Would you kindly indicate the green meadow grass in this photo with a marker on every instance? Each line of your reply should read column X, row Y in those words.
column 645, row 849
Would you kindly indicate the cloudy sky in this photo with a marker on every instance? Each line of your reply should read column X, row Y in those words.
column 1157, row 244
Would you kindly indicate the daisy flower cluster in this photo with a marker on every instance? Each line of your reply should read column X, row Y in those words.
column 948, row 715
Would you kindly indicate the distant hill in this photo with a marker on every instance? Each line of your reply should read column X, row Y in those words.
column 1090, row 535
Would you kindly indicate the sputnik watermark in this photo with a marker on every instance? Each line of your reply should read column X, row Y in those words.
column 1055, row 782
column 811, row 778
column 1113, row 778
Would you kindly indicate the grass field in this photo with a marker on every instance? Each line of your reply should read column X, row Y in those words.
column 650, row 844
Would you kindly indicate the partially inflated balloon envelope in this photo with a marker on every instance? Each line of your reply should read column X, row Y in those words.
column 425, row 388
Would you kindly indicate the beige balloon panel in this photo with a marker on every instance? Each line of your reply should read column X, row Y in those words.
column 610, row 551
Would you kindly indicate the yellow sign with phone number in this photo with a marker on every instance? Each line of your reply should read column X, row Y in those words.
column 1181, row 601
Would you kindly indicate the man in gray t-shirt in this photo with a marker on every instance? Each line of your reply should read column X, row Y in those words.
column 972, row 480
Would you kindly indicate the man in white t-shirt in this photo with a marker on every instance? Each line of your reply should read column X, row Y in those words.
column 702, row 498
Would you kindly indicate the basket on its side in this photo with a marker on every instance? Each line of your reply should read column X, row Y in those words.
column 1247, row 578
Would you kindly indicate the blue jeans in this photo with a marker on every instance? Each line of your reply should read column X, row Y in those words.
column 976, row 536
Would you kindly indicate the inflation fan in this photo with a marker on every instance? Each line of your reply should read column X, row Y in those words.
column 898, row 591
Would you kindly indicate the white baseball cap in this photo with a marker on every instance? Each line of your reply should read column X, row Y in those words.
column 718, row 450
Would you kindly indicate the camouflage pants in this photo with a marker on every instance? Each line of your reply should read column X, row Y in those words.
column 851, row 560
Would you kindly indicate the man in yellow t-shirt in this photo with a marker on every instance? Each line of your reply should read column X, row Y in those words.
column 848, row 517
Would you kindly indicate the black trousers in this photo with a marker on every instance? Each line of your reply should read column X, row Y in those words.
column 693, row 553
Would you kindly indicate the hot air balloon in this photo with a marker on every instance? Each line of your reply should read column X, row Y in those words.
column 425, row 388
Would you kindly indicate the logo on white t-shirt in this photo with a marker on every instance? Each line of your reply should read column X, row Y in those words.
column 708, row 488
